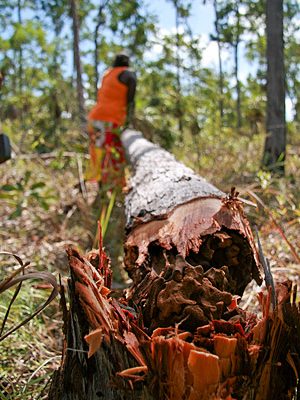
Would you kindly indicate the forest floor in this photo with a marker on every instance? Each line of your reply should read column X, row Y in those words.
column 42, row 213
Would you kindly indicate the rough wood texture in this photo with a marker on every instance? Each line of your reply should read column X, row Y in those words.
column 179, row 333
column 88, row 374
column 160, row 183
column 275, row 143
column 172, row 211
column 222, row 360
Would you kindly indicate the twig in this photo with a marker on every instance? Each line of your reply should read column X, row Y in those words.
column 267, row 270
column 2, row 284
column 53, row 154
column 12, row 281
column 278, row 227
column 81, row 177
column 248, row 302
column 37, row 370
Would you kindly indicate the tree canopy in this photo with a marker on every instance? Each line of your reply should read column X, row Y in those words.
column 179, row 94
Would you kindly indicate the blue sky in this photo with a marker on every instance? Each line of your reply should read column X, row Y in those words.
column 201, row 20
column 202, row 23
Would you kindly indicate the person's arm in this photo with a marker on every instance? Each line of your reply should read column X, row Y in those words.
column 129, row 79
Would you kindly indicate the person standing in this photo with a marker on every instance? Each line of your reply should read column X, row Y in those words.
column 112, row 112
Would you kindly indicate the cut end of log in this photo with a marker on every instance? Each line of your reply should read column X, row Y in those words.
column 213, row 352
column 189, row 265
column 179, row 333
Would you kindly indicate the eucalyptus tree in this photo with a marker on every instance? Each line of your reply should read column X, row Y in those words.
column 54, row 14
column 230, row 31
column 18, row 36
column 275, row 144
column 272, row 44
column 131, row 25
column 182, row 11
column 77, row 59
column 256, row 43
column 217, row 38
column 24, row 50
column 99, row 22
column 291, row 37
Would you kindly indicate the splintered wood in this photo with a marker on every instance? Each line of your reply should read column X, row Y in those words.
column 196, row 251
column 178, row 332
column 111, row 350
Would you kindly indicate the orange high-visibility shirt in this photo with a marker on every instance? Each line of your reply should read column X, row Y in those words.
column 112, row 98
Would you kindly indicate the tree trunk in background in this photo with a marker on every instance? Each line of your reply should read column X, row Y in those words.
column 96, row 43
column 236, row 68
column 275, row 144
column 55, row 107
column 20, row 61
column 77, row 61
column 238, row 87
column 21, row 83
column 221, row 78
column 179, row 111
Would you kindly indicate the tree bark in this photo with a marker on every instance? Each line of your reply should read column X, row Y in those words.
column 20, row 56
column 81, row 376
column 275, row 144
column 96, row 42
column 178, row 334
column 179, row 111
column 221, row 78
column 77, row 61
column 236, row 67
column 171, row 208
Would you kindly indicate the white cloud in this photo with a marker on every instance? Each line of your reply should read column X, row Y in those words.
column 210, row 55
column 289, row 109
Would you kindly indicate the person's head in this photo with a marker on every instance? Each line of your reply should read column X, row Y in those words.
column 121, row 60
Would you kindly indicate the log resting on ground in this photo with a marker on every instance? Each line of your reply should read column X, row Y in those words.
column 188, row 244
column 179, row 333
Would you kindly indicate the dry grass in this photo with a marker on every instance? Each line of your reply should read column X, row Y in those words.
column 29, row 356
column 39, row 223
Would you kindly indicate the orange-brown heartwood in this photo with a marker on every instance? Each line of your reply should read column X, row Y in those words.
column 178, row 332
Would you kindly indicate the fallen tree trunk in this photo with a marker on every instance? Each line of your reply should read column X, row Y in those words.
column 173, row 214
column 179, row 332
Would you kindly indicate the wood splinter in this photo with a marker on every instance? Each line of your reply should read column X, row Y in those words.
column 178, row 332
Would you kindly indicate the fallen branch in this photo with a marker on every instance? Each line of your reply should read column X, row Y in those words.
column 276, row 224
column 46, row 156
column 13, row 280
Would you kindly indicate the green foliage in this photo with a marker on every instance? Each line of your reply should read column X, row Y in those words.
column 23, row 193
column 175, row 92
column 38, row 112
column 26, row 33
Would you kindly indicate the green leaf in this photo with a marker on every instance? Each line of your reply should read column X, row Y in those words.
column 35, row 195
column 8, row 188
column 17, row 212
column 37, row 185
column 27, row 176
column 43, row 204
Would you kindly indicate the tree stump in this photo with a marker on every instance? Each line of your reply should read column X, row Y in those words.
column 178, row 332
